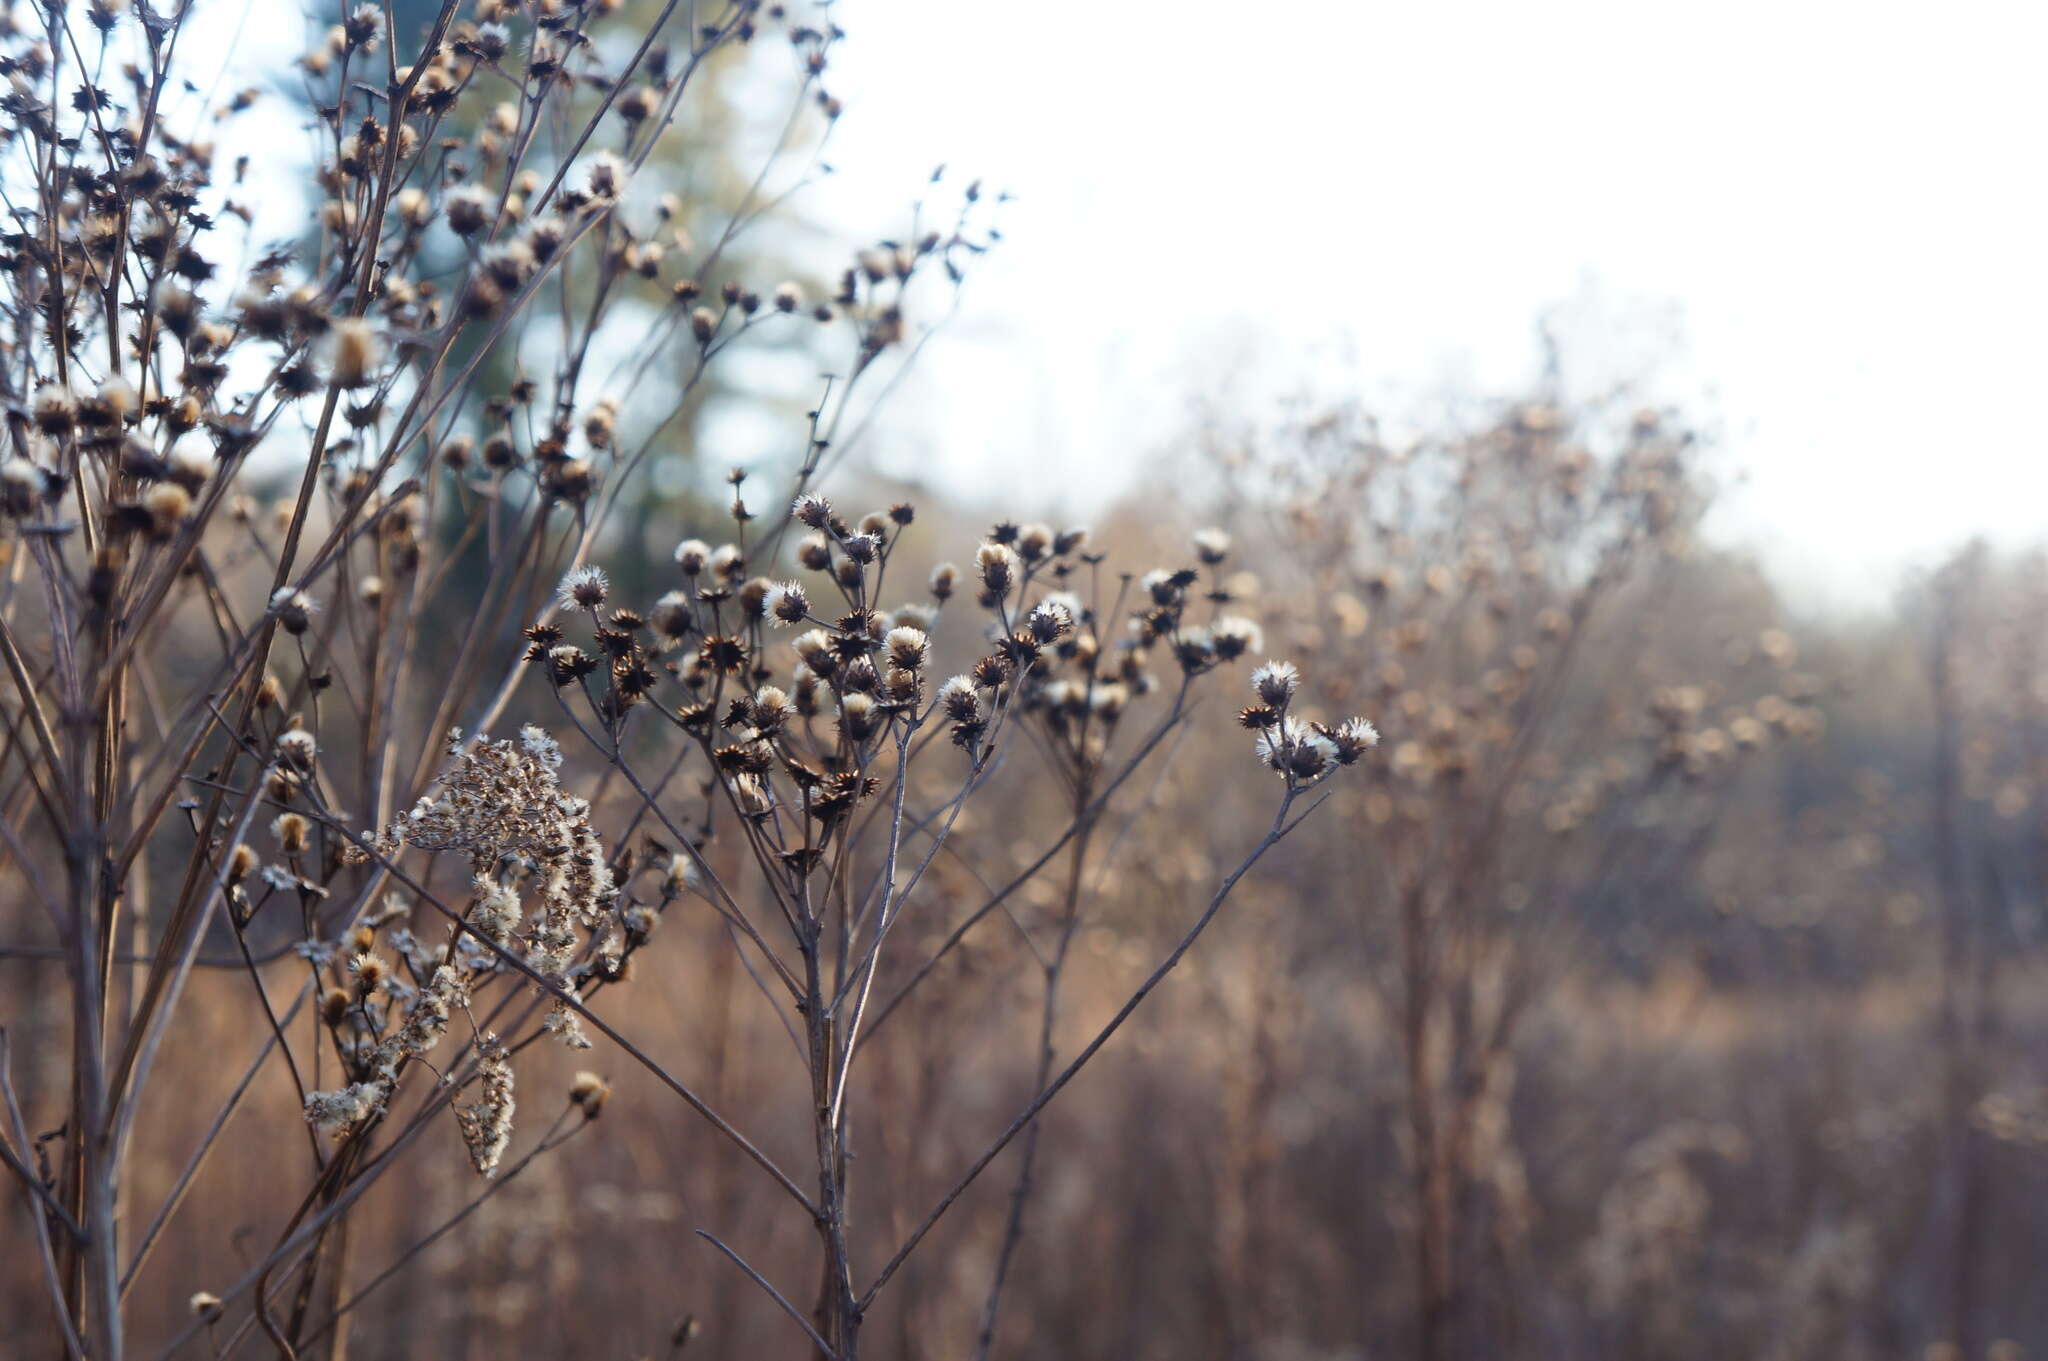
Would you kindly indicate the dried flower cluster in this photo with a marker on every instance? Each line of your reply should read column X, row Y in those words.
column 243, row 482
column 507, row 306
column 811, row 699
column 500, row 804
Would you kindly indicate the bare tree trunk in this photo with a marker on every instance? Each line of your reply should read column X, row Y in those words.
column 1429, row 1176
column 1956, row 1033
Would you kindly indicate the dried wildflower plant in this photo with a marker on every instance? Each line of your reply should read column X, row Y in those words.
column 247, row 731
column 812, row 704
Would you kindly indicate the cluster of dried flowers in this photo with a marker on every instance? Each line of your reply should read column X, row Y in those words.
column 810, row 698
column 499, row 804
column 795, row 734
column 190, row 656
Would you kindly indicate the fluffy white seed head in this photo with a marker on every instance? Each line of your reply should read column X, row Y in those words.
column 784, row 603
column 584, row 588
column 691, row 555
column 1276, row 682
column 908, row 648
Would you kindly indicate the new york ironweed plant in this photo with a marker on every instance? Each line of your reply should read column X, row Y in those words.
column 275, row 517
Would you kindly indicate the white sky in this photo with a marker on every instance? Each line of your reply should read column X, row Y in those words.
column 1840, row 207
column 1824, row 221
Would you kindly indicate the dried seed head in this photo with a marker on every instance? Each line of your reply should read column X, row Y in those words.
column 1211, row 545
column 859, row 677
column 670, row 617
column 508, row 263
column 785, row 603
column 1232, row 637
column 1034, row 542
column 771, row 708
column 572, row 479
column 601, row 424
column 1296, row 750
column 691, row 556
column 1352, row 739
column 998, row 566
column 296, row 748
column 55, row 408
column 369, row 972
column 415, row 209
column 857, row 718
column 568, row 664
column 913, row 616
column 1195, row 650
column 178, row 310
column 168, row 504
column 812, row 511
column 909, row 648
column 1165, row 588
column 292, row 832
column 354, row 350
column 469, row 210
column 637, row 105
column 814, row 553
column 722, row 653
column 589, row 1092
column 960, row 700
column 681, row 874
column 583, row 588
column 294, row 609
column 545, row 235
column 22, row 485
column 1049, row 620
column 815, row 647
column 111, row 404
column 457, row 451
column 753, row 597
column 945, row 577
column 362, row 25
column 1276, row 682
column 606, row 176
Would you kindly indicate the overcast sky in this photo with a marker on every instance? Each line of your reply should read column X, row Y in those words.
column 1823, row 223
column 1827, row 220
